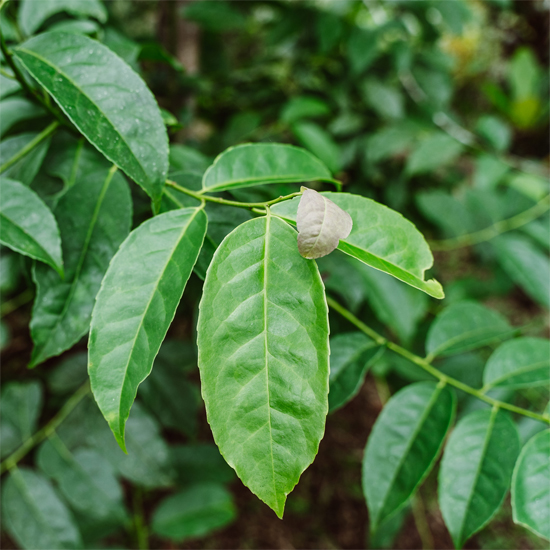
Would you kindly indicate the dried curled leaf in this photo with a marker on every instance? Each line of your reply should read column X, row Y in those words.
column 321, row 224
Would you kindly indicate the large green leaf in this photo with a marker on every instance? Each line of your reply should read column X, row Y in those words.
column 264, row 357
column 94, row 218
column 32, row 14
column 531, row 486
column 403, row 446
column 34, row 515
column 381, row 238
column 351, row 354
column 105, row 99
column 17, row 109
column 526, row 264
column 519, row 363
column 464, row 326
column 475, row 471
column 27, row 224
column 256, row 163
column 194, row 512
column 86, row 479
column 135, row 306
column 20, row 406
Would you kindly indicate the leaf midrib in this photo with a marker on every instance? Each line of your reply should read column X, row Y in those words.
column 80, row 90
column 521, row 370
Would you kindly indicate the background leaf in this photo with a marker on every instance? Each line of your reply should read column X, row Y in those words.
column 94, row 218
column 17, row 109
column 28, row 226
column 256, row 163
column 263, row 357
column 135, row 306
column 25, row 169
column 531, row 486
column 105, row 99
column 476, row 471
column 403, row 446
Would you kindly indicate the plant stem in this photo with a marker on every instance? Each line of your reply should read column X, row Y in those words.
column 46, row 133
column 425, row 365
column 15, row 303
column 7, row 75
column 496, row 229
column 421, row 522
column 47, row 430
column 218, row 200
column 142, row 535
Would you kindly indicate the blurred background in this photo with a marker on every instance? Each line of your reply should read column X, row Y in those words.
column 436, row 108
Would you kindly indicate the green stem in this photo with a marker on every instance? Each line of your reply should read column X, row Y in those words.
column 7, row 75
column 421, row 522
column 15, row 303
column 425, row 365
column 496, row 229
column 218, row 200
column 142, row 534
column 46, row 133
column 48, row 429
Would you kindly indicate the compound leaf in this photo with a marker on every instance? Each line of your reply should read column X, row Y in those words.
column 94, row 217
column 34, row 515
column 403, row 446
column 105, row 99
column 135, row 306
column 351, row 354
column 464, row 326
column 381, row 238
column 28, row 226
column 476, row 471
column 321, row 224
column 257, row 163
column 519, row 363
column 264, row 357
column 531, row 486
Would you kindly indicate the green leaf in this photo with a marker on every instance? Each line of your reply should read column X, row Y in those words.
column 351, row 354
column 20, row 408
column 69, row 374
column 25, row 169
column 28, row 226
column 33, row 514
column 526, row 265
column 17, row 109
column 200, row 462
column 381, row 238
column 388, row 101
column 135, row 306
column 319, row 142
column 303, row 106
column 264, row 357
column 475, row 471
column 94, row 218
column 495, row 131
column 194, row 512
column 187, row 159
column 256, row 163
column 531, row 486
column 362, row 49
column 321, row 224
column 464, row 326
column 403, row 446
column 8, row 86
column 519, row 363
column 86, row 479
column 33, row 14
column 105, row 99
column 432, row 153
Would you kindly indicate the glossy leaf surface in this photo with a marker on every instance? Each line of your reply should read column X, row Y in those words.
column 94, row 218
column 135, row 306
column 381, row 238
column 403, row 446
column 464, row 326
column 321, row 224
column 27, row 224
column 32, row 14
column 519, row 363
column 351, row 354
column 263, row 357
column 257, row 163
column 194, row 512
column 34, row 515
column 531, row 486
column 476, row 471
column 105, row 99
